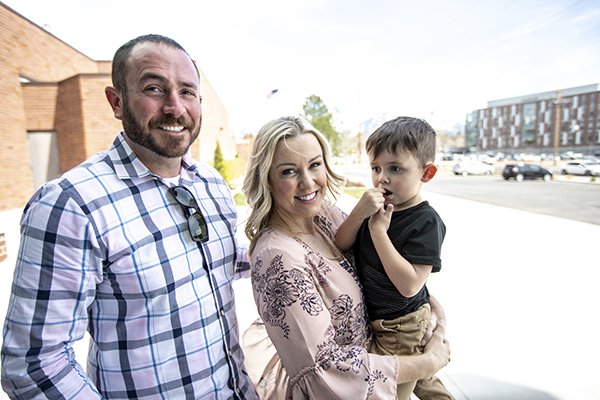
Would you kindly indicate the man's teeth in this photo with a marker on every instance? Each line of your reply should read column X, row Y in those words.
column 176, row 128
column 308, row 197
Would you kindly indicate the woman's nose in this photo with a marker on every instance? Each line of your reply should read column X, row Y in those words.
column 306, row 180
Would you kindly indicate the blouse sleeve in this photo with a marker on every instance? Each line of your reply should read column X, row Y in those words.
column 320, row 360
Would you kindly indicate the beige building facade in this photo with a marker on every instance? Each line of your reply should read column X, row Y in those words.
column 55, row 114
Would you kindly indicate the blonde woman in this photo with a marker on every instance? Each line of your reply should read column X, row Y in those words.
column 306, row 290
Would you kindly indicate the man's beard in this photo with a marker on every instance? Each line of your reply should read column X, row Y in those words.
column 142, row 137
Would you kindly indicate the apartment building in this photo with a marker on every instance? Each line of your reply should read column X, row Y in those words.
column 548, row 123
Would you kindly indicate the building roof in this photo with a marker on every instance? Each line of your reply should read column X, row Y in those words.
column 530, row 98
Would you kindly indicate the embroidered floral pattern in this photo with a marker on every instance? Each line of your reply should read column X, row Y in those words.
column 279, row 289
column 302, row 278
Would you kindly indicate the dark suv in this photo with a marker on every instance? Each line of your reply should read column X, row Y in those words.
column 526, row 171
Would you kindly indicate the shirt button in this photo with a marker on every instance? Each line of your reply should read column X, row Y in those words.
column 237, row 390
column 222, row 312
column 230, row 353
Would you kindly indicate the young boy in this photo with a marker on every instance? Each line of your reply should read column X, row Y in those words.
column 397, row 239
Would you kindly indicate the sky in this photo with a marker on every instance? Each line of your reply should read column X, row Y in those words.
column 433, row 59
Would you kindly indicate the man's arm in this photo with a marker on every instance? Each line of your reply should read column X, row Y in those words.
column 408, row 278
column 370, row 202
column 53, row 286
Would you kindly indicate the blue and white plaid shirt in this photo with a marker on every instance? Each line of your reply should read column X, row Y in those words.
column 106, row 248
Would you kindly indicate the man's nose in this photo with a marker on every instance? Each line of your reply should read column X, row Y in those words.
column 173, row 105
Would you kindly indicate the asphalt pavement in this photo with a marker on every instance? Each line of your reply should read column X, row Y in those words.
column 519, row 290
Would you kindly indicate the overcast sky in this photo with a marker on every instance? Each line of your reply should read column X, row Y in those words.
column 434, row 59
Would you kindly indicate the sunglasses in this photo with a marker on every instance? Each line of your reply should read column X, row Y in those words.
column 196, row 222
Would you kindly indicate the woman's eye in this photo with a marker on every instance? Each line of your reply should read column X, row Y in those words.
column 315, row 164
column 287, row 172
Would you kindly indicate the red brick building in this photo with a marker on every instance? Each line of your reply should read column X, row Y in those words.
column 55, row 114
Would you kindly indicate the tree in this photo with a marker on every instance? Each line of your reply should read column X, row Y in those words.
column 219, row 162
column 317, row 113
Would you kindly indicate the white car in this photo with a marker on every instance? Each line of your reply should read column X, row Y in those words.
column 465, row 168
column 581, row 167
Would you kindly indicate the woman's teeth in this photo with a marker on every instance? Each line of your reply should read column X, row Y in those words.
column 308, row 196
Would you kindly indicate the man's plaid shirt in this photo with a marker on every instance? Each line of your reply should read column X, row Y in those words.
column 106, row 248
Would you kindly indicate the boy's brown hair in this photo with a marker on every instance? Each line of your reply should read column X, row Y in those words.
column 404, row 134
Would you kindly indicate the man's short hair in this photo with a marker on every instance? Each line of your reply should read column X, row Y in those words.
column 119, row 63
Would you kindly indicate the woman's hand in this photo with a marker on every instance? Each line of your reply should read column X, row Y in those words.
column 436, row 356
column 438, row 347
column 437, row 313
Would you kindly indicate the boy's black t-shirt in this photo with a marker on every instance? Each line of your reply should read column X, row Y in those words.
column 417, row 233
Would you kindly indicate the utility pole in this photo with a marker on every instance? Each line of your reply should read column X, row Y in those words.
column 557, row 125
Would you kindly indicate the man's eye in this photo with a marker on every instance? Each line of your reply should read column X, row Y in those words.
column 152, row 89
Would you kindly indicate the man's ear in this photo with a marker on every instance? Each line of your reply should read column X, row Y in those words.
column 114, row 99
column 429, row 172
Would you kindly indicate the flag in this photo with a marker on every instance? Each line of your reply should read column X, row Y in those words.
column 271, row 93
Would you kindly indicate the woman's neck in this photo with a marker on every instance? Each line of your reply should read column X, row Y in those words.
column 299, row 227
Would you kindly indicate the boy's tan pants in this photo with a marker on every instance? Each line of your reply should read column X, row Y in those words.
column 402, row 336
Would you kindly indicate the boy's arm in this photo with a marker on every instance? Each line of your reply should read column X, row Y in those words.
column 370, row 202
column 408, row 278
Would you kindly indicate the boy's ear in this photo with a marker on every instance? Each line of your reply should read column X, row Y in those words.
column 429, row 172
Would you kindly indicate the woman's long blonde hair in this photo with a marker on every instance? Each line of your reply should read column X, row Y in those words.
column 256, row 180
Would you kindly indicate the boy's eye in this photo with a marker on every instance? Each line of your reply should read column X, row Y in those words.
column 376, row 169
column 395, row 169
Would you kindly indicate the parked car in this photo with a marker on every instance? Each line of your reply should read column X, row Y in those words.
column 523, row 171
column 465, row 168
column 581, row 167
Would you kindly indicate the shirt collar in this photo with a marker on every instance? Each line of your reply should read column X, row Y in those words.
column 128, row 166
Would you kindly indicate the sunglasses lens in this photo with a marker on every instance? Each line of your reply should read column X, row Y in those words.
column 183, row 196
column 197, row 227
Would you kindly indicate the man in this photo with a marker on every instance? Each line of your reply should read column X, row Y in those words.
column 136, row 245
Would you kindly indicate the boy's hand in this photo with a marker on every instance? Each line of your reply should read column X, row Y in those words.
column 380, row 221
column 370, row 202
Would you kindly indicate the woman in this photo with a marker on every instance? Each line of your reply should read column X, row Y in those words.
column 306, row 290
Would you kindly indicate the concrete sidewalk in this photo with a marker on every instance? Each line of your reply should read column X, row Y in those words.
column 520, row 293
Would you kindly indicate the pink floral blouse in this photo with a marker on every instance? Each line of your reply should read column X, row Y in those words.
column 314, row 312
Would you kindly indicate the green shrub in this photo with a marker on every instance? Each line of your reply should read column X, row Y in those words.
column 355, row 191
column 240, row 199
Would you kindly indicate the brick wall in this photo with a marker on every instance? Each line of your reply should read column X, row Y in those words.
column 39, row 100
column 66, row 94
column 29, row 51
column 100, row 125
